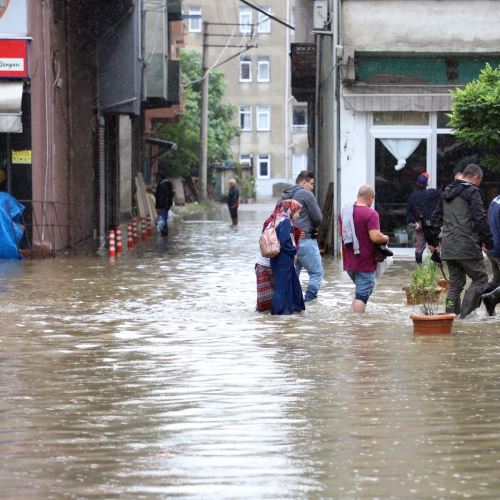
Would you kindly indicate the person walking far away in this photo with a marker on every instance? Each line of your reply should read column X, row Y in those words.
column 164, row 200
column 491, row 295
column 359, row 226
column 287, row 297
column 419, row 209
column 461, row 219
column 310, row 217
column 233, row 202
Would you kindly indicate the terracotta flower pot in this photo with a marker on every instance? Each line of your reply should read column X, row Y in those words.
column 436, row 294
column 438, row 324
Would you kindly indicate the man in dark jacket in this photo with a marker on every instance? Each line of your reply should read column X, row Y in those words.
column 491, row 295
column 309, row 219
column 164, row 201
column 419, row 209
column 461, row 217
column 233, row 202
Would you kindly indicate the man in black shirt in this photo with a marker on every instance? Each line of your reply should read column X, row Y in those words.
column 164, row 200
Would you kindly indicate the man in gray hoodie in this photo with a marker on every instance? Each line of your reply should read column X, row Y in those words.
column 309, row 219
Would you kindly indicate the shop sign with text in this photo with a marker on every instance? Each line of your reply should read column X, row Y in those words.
column 22, row 157
column 13, row 59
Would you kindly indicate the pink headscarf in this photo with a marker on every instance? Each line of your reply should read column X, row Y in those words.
column 284, row 209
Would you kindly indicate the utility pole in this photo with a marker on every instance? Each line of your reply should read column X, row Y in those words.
column 205, row 73
column 202, row 179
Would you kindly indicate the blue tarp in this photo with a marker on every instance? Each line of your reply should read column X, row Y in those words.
column 11, row 228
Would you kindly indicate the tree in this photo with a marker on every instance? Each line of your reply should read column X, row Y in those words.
column 475, row 115
column 186, row 133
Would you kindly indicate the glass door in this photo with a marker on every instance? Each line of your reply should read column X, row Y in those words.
column 393, row 185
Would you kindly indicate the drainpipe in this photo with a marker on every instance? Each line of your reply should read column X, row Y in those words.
column 69, row 128
column 316, row 105
column 288, row 173
column 336, row 125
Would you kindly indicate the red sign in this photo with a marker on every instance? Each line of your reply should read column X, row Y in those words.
column 13, row 59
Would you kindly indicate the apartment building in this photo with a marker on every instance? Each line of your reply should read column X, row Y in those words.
column 273, row 140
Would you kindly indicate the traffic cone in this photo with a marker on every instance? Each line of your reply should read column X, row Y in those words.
column 149, row 228
column 134, row 231
column 112, row 249
column 130, row 236
column 144, row 232
column 119, row 244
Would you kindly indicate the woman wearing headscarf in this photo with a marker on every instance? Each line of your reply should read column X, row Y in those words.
column 287, row 297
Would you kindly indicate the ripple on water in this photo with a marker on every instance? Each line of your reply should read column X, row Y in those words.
column 154, row 376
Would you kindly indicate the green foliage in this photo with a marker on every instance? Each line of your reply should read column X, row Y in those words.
column 247, row 187
column 424, row 282
column 246, row 184
column 186, row 133
column 475, row 114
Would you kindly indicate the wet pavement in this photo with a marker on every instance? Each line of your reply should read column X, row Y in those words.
column 151, row 376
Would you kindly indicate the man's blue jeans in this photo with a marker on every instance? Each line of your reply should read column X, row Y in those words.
column 164, row 215
column 309, row 258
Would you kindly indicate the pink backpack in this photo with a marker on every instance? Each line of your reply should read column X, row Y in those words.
column 268, row 242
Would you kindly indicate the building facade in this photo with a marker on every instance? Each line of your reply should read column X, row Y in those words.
column 274, row 126
column 392, row 65
column 73, row 137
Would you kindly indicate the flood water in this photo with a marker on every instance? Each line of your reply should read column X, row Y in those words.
column 153, row 377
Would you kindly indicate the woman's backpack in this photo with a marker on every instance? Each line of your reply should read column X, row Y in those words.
column 268, row 242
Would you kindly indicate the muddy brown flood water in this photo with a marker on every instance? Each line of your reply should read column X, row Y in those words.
column 153, row 377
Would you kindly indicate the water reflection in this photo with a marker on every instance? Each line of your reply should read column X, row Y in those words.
column 152, row 377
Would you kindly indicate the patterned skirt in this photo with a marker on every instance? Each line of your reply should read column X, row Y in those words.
column 265, row 287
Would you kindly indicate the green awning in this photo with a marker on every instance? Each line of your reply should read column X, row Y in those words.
column 425, row 69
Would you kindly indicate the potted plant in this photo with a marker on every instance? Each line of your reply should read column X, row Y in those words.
column 425, row 286
column 424, row 289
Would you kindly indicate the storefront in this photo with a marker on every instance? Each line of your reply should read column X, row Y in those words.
column 393, row 132
column 15, row 105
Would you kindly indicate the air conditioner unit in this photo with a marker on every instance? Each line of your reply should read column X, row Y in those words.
column 320, row 14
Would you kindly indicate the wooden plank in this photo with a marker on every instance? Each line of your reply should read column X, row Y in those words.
column 325, row 228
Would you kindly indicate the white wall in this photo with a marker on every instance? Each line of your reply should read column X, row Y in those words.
column 421, row 25
column 354, row 154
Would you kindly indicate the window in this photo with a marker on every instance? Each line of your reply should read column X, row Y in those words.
column 246, row 160
column 299, row 163
column 245, row 20
column 245, row 69
column 245, row 118
column 264, row 167
column 263, row 69
column 264, row 22
column 299, row 119
column 443, row 120
column 263, row 118
column 194, row 23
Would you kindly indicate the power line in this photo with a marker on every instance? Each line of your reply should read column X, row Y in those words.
column 268, row 14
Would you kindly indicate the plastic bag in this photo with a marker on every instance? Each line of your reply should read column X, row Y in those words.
column 383, row 266
column 160, row 223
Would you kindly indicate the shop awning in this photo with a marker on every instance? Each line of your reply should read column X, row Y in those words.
column 397, row 98
column 11, row 96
